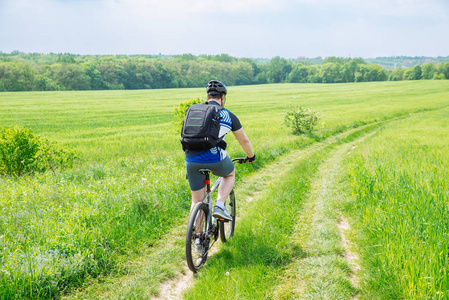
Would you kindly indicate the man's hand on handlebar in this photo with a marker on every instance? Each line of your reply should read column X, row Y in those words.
column 249, row 159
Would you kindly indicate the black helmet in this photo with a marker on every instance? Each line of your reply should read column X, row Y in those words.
column 216, row 86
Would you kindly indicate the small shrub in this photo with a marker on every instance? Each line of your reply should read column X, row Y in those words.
column 179, row 112
column 301, row 120
column 22, row 152
column 53, row 157
column 18, row 147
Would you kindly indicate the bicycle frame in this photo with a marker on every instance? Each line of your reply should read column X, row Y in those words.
column 210, row 191
column 208, row 200
column 214, row 227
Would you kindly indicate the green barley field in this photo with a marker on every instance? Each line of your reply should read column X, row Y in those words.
column 65, row 234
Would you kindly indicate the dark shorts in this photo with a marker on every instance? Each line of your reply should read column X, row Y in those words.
column 196, row 179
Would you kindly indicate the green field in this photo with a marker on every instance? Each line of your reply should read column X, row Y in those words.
column 92, row 226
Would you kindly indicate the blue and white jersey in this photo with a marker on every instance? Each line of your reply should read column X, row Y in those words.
column 229, row 122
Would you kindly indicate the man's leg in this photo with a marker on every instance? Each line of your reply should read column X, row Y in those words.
column 225, row 187
column 198, row 196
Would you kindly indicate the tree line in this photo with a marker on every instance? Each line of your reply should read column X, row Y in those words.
column 51, row 72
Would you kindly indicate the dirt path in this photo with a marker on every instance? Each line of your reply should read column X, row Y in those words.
column 329, row 268
column 174, row 288
column 351, row 257
column 162, row 273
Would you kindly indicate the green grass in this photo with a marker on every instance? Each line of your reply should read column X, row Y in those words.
column 288, row 244
column 129, row 188
column 255, row 257
column 400, row 183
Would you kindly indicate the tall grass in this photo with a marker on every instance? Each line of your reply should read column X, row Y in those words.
column 57, row 231
column 400, row 182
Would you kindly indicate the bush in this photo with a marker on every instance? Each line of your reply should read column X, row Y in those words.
column 179, row 112
column 301, row 120
column 22, row 152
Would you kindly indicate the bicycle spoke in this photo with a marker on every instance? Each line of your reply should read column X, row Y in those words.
column 197, row 241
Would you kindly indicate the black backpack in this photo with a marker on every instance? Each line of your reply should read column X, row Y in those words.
column 201, row 127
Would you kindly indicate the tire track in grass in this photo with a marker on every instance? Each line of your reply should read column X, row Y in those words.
column 174, row 288
column 162, row 272
column 330, row 267
column 351, row 256
column 256, row 258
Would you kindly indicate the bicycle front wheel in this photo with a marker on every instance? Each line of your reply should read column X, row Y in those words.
column 197, row 242
column 227, row 227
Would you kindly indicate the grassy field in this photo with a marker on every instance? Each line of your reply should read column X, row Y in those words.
column 129, row 187
column 400, row 182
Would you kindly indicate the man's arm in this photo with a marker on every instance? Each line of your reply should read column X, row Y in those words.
column 243, row 140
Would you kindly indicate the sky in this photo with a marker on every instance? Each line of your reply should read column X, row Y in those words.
column 240, row 28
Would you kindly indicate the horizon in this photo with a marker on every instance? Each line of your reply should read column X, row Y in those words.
column 200, row 55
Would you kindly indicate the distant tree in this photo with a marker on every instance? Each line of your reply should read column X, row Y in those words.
column 255, row 67
column 224, row 58
column 261, row 78
column 359, row 61
column 278, row 69
column 437, row 76
column 314, row 74
column 242, row 72
column 17, row 76
column 428, row 70
column 348, row 71
column 161, row 75
column 299, row 74
column 71, row 77
column 444, row 69
column 392, row 77
column 375, row 73
column 113, row 73
column 16, row 52
column 35, row 71
column 417, row 73
column 397, row 73
column 185, row 57
column 330, row 73
column 334, row 59
column 96, row 80
column 66, row 59
column 408, row 74
column 44, row 83
column 360, row 74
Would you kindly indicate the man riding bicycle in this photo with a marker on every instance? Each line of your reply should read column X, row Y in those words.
column 216, row 158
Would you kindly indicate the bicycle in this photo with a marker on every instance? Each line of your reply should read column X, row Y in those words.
column 202, row 226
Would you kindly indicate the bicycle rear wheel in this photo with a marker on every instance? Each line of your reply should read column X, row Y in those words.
column 197, row 242
column 227, row 228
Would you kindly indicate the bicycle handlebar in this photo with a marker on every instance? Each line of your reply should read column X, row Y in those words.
column 239, row 160
column 242, row 160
